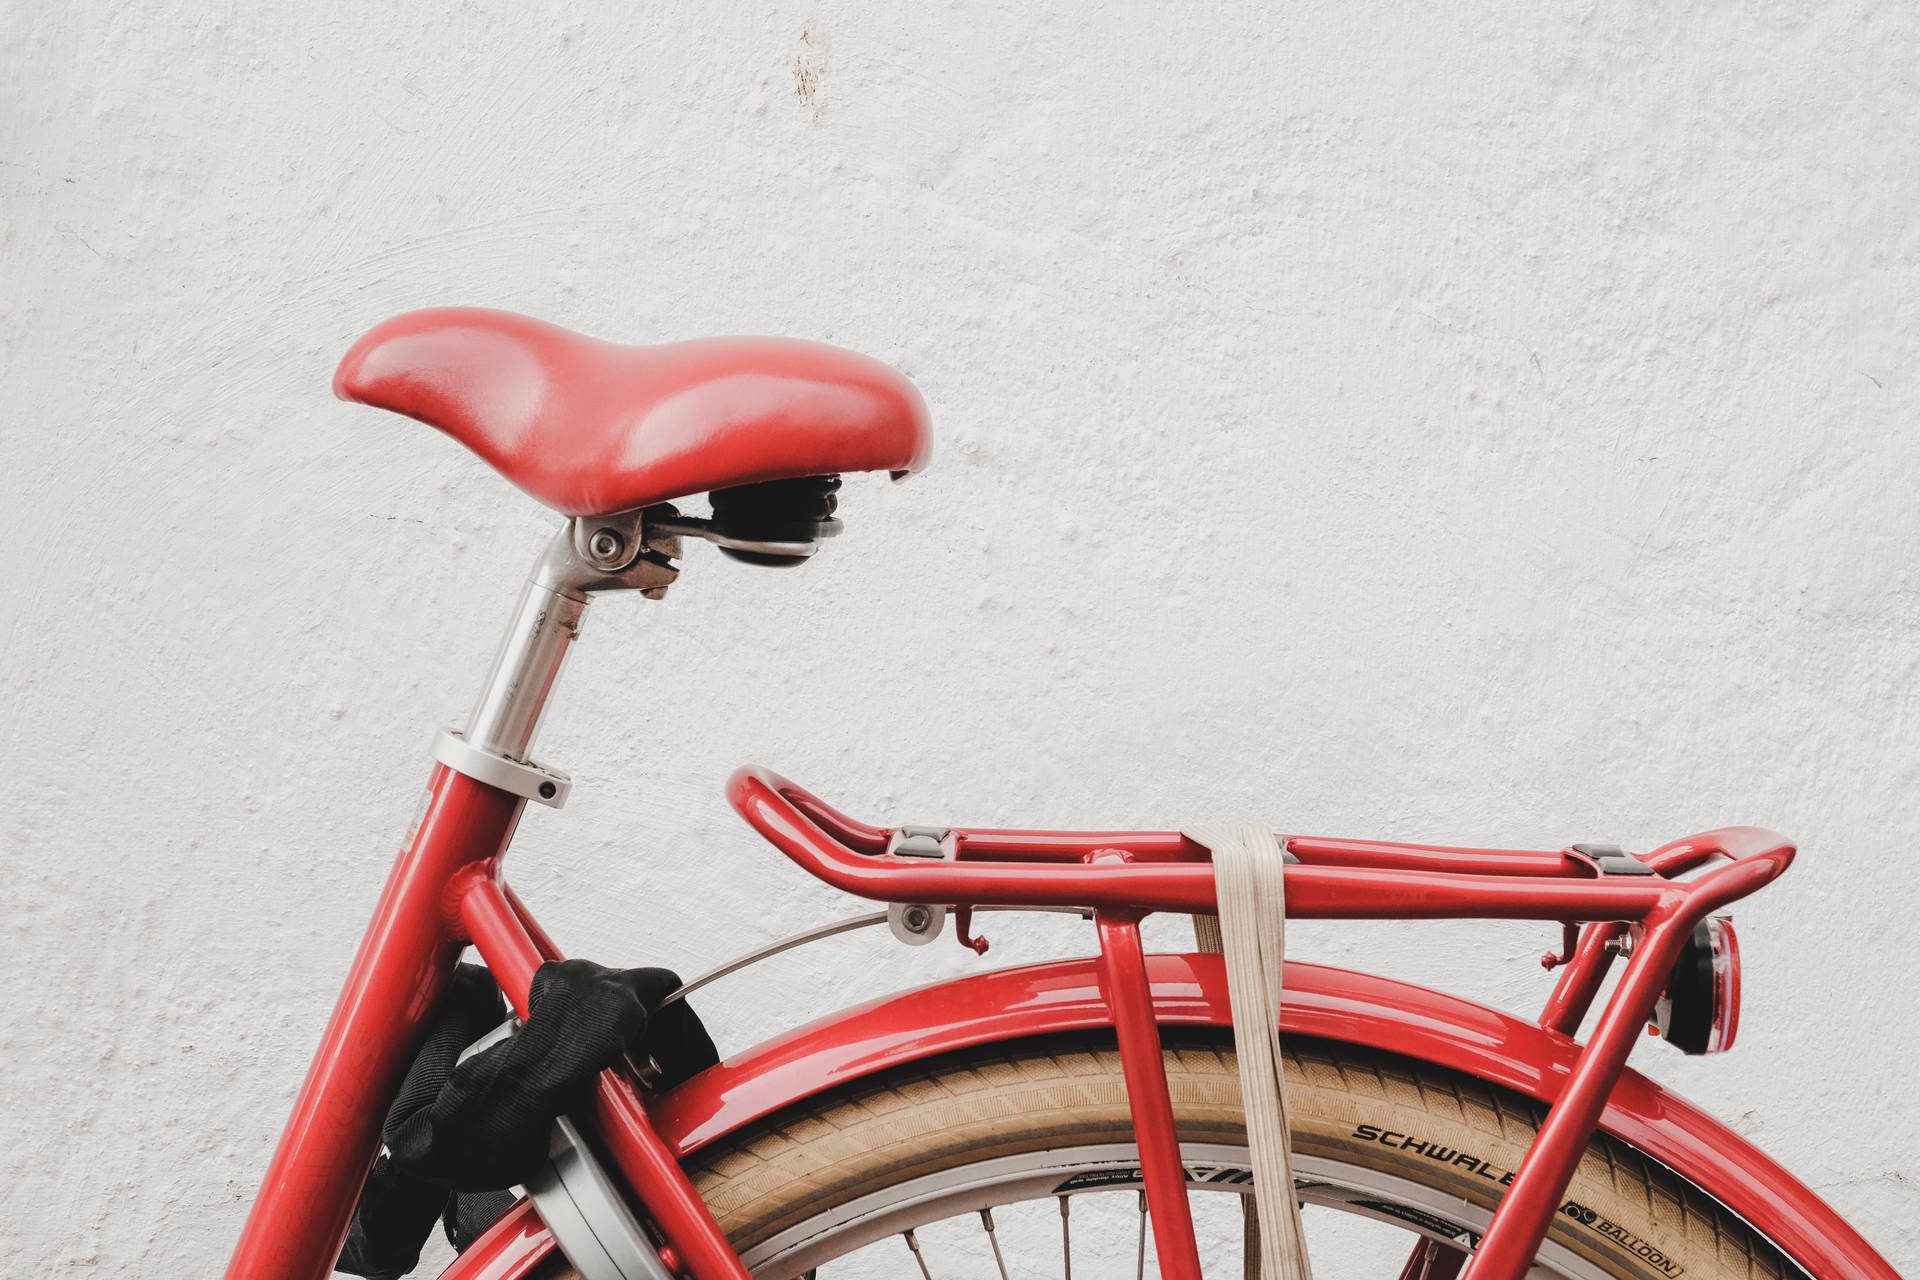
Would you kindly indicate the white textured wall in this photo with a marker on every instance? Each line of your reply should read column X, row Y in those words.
column 1498, row 428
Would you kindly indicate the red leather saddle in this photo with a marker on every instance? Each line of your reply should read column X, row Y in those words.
column 591, row 428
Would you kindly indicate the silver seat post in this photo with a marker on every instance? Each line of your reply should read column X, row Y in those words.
column 525, row 669
column 585, row 558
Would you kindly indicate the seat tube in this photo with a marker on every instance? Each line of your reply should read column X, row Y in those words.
column 306, row 1201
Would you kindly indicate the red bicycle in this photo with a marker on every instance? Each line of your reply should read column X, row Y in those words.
column 1504, row 1146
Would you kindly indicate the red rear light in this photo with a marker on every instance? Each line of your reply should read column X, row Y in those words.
column 1726, row 983
column 1700, row 1010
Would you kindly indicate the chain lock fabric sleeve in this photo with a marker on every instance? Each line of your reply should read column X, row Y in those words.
column 461, row 1132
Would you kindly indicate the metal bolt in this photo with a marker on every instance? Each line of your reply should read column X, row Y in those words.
column 606, row 544
column 917, row 917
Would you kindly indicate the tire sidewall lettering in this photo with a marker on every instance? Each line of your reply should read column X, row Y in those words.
column 1478, row 1166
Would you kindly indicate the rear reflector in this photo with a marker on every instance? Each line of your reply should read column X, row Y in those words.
column 1700, row 1010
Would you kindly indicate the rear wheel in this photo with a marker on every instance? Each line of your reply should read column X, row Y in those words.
column 888, row 1175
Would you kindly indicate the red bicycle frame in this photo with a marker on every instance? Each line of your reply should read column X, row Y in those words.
column 446, row 891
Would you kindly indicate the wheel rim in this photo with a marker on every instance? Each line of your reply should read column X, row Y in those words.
column 912, row 1208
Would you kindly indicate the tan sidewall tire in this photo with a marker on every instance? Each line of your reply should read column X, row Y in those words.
column 1625, row 1213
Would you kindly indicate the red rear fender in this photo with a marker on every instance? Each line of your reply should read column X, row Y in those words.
column 1330, row 1004
column 1191, row 990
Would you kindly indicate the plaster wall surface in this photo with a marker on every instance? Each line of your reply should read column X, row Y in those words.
column 1492, row 427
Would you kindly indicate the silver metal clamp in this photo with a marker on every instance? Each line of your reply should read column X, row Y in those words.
column 586, row 1215
column 531, row 781
column 580, row 1203
column 918, row 923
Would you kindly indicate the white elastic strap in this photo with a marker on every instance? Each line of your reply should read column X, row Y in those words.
column 1250, row 932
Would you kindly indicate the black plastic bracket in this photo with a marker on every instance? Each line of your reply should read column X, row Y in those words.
column 1612, row 860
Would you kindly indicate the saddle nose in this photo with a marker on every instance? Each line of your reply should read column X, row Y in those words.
column 591, row 428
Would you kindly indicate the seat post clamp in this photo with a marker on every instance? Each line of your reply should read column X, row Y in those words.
column 530, row 781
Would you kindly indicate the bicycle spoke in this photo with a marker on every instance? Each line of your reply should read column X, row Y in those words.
column 914, row 1245
column 1140, row 1260
column 1066, row 1243
column 986, row 1220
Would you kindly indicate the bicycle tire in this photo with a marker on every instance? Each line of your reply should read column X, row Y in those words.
column 814, row 1180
